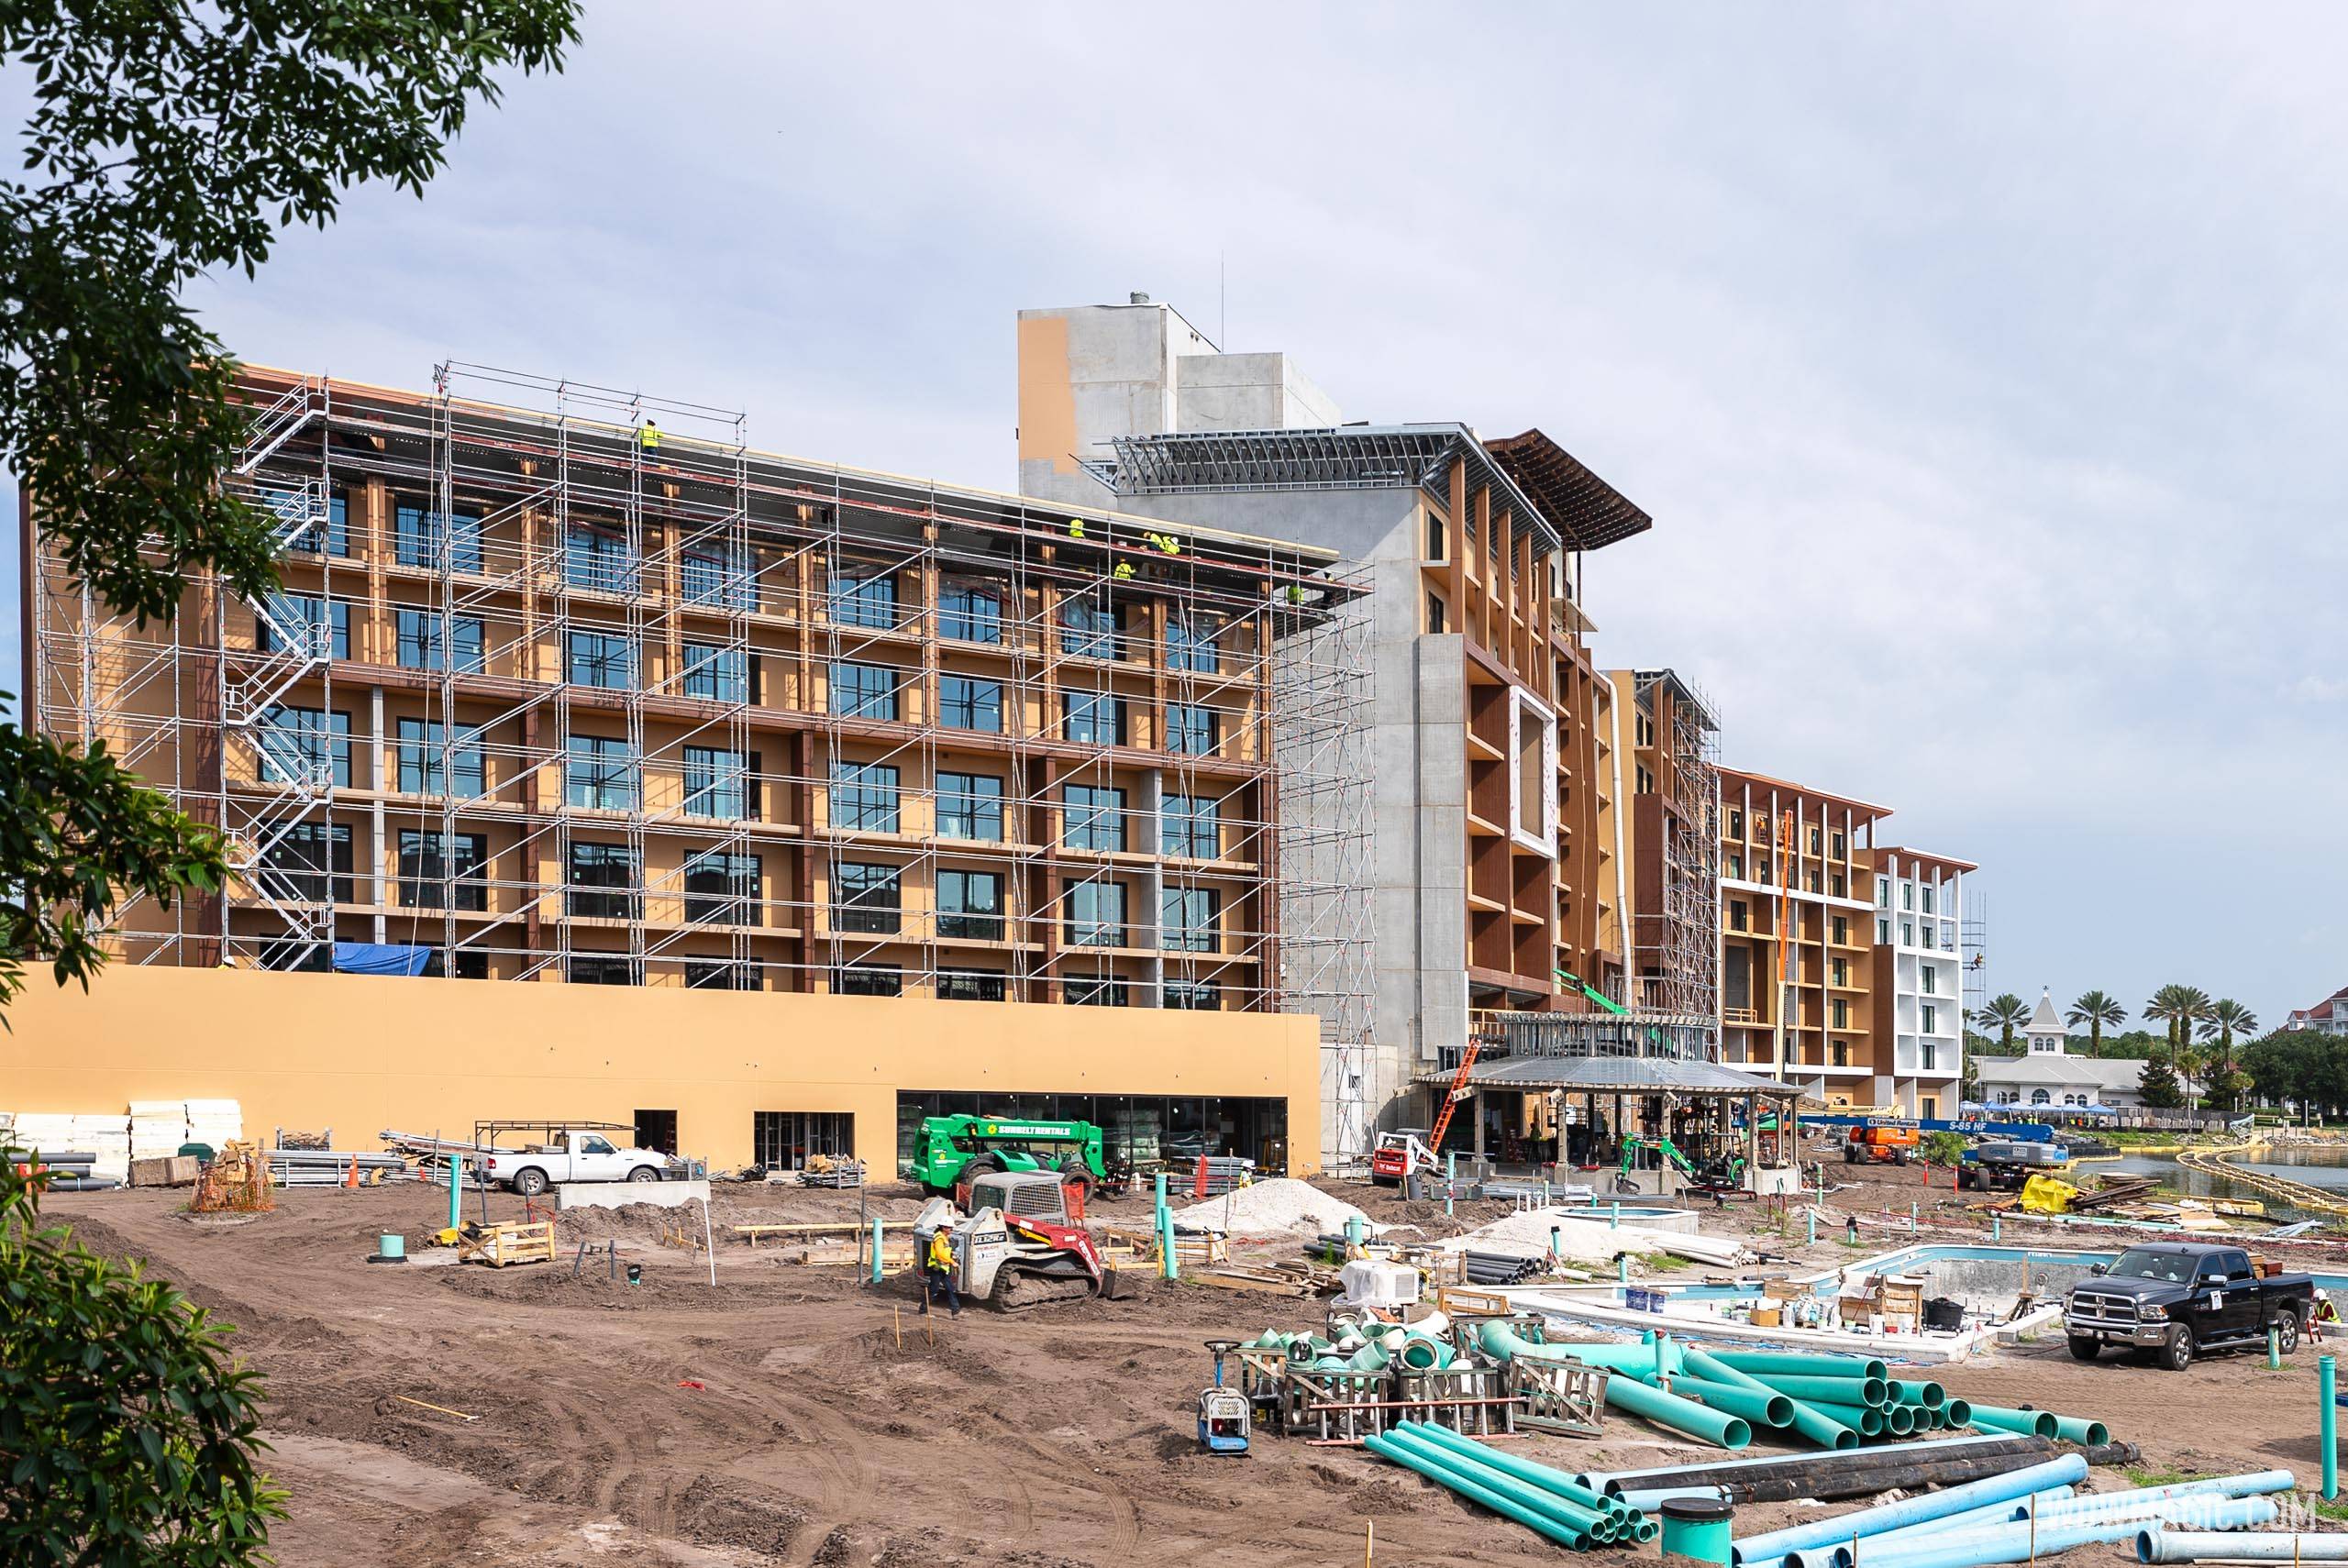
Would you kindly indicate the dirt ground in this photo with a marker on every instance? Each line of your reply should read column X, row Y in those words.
column 794, row 1414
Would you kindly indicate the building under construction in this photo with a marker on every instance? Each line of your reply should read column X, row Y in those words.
column 571, row 685
column 1511, row 833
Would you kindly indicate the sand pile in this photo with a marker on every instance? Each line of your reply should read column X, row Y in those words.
column 1272, row 1207
column 1526, row 1234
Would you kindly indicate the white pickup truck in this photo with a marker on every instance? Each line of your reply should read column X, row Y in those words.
column 570, row 1155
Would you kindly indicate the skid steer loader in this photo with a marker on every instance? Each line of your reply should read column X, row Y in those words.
column 1017, row 1247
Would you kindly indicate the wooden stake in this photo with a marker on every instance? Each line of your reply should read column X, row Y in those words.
column 897, row 1314
column 440, row 1410
column 1368, row 1539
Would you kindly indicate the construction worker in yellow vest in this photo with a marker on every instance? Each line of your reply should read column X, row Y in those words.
column 938, row 1273
column 649, row 436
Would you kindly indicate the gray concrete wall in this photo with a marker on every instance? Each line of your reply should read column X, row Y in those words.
column 1417, row 741
column 1119, row 378
column 1139, row 370
column 1249, row 392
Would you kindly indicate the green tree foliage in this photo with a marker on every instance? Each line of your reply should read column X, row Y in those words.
column 2159, row 1086
column 164, row 143
column 2178, row 1009
column 127, row 1433
column 2004, row 1013
column 1943, row 1149
column 2299, row 1067
column 75, row 829
column 2226, row 1017
column 2099, row 1011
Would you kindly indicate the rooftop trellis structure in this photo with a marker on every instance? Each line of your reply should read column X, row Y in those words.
column 570, row 683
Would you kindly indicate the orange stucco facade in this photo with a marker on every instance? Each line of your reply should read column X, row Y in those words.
column 360, row 1053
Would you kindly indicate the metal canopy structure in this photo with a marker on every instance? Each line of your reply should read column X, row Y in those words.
column 1619, row 1075
column 1350, row 456
column 1587, row 512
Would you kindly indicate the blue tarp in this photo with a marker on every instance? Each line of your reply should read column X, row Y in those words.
column 1973, row 1126
column 379, row 958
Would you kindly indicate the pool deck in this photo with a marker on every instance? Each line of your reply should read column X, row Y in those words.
column 1601, row 1306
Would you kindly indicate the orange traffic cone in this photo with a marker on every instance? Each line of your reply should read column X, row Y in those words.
column 352, row 1181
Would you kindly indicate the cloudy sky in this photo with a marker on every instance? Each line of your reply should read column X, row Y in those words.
column 1971, row 363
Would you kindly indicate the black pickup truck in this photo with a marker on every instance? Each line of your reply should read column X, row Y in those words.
column 2175, row 1299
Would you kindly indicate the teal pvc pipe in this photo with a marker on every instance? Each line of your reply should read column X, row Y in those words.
column 1833, row 1390
column 1931, row 1394
column 2328, row 1424
column 456, row 1195
column 1802, row 1364
column 1420, row 1460
column 1864, row 1420
column 1420, row 1354
column 1806, row 1420
column 1958, row 1413
column 1477, row 1468
column 2089, row 1434
column 1173, row 1266
column 1760, row 1410
column 1699, row 1540
column 1371, row 1357
column 1503, row 1343
column 2069, row 1470
column 2029, row 1423
column 1526, row 1470
column 875, row 1252
column 1681, row 1415
column 1900, row 1420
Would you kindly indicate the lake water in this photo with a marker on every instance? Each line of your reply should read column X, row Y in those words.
column 2326, row 1168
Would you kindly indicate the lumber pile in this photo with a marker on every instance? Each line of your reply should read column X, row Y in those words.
column 506, row 1243
column 2112, row 1192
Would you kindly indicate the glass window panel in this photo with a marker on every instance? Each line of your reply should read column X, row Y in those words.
column 969, row 905
column 970, row 806
column 864, row 797
column 970, row 704
column 600, row 772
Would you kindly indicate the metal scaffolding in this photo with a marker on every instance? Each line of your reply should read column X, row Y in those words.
column 1686, row 962
column 568, row 683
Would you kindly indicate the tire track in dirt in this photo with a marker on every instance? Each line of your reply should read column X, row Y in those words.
column 1122, row 1514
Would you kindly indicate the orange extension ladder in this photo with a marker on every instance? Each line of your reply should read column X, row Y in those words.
column 1458, row 1093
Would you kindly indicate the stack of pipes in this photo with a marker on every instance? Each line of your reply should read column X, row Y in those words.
column 333, row 1167
column 1835, row 1401
column 2014, row 1517
column 1546, row 1501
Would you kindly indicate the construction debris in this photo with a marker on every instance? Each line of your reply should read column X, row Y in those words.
column 1271, row 1208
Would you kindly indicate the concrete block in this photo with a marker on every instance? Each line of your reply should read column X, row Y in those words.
column 622, row 1193
column 171, row 1170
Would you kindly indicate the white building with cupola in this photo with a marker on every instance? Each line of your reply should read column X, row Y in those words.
column 2048, row 1076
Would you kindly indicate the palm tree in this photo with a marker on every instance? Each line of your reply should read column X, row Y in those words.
column 2180, row 1008
column 2100, row 1011
column 2226, row 1019
column 2005, row 1014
